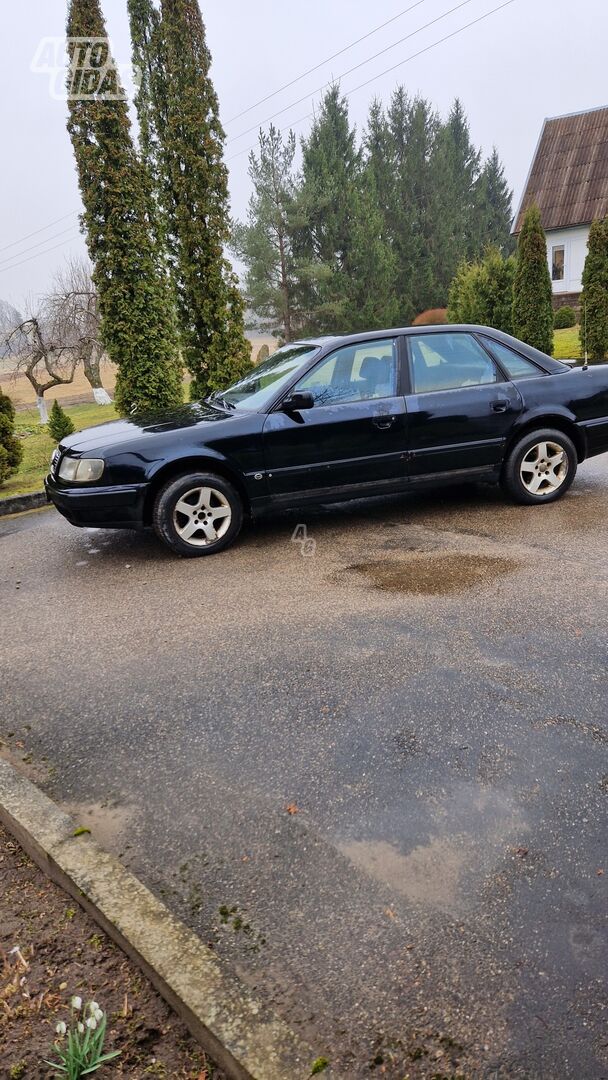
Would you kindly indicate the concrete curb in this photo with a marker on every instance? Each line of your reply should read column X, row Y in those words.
column 16, row 504
column 241, row 1034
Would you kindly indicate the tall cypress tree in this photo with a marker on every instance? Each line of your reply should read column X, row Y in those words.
column 264, row 242
column 594, row 298
column 180, row 107
column 532, row 307
column 137, row 324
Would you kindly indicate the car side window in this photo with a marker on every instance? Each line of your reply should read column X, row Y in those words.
column 516, row 366
column 449, row 361
column 360, row 372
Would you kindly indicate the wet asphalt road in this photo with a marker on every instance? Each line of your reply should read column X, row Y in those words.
column 371, row 772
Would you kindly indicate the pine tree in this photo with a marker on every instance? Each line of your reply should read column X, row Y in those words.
column 330, row 167
column 60, row 424
column 370, row 267
column 455, row 169
column 11, row 451
column 493, row 207
column 184, row 143
column 532, row 307
column 264, row 242
column 412, row 131
column 137, row 324
column 594, row 298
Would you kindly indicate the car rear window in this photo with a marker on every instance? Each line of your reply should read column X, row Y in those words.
column 515, row 365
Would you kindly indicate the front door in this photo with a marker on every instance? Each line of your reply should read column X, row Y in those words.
column 461, row 410
column 354, row 439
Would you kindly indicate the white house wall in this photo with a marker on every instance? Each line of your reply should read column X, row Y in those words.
column 574, row 242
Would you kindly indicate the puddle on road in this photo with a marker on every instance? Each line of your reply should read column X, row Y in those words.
column 429, row 874
column 436, row 574
column 108, row 822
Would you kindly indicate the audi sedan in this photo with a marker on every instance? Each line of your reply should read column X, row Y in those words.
column 340, row 418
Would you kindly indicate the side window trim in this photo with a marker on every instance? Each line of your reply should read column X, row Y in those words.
column 411, row 387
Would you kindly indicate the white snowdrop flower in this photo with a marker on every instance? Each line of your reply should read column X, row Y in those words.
column 93, row 1006
column 76, row 1003
column 61, row 1028
column 92, row 1023
column 99, row 1016
column 80, row 1028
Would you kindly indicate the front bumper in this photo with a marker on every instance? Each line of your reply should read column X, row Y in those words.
column 118, row 507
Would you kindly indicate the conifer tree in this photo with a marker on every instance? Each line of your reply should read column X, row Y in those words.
column 137, row 324
column 454, row 168
column 60, row 424
column 482, row 292
column 184, row 143
column 330, row 166
column 11, row 451
column 532, row 307
column 264, row 242
column 594, row 298
column 370, row 268
column 493, row 207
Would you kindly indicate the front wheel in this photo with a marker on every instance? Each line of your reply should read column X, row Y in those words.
column 540, row 467
column 198, row 514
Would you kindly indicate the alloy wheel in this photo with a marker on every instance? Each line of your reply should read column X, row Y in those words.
column 544, row 468
column 202, row 516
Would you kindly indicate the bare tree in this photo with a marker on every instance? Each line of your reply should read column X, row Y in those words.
column 73, row 310
column 44, row 363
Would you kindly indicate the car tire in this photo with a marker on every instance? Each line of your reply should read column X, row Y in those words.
column 541, row 467
column 197, row 514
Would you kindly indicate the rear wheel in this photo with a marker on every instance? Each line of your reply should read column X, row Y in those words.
column 540, row 467
column 198, row 514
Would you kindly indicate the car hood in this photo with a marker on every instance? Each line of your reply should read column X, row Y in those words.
column 146, row 426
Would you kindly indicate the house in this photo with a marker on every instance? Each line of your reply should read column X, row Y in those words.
column 568, row 181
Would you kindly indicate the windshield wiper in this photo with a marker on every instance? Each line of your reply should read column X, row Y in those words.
column 216, row 399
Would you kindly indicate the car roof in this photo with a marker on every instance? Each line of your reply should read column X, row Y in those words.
column 547, row 362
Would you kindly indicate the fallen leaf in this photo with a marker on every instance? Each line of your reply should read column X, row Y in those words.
column 292, row 808
column 81, row 830
column 521, row 852
column 600, row 872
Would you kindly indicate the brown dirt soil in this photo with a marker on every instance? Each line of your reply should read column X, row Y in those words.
column 63, row 952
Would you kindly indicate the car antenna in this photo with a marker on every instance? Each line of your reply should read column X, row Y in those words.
column 586, row 363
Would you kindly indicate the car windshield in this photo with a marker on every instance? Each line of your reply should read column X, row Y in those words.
column 257, row 388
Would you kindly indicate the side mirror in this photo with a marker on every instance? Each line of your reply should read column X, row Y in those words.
column 298, row 400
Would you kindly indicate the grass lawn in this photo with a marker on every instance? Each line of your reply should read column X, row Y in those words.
column 38, row 445
column 567, row 345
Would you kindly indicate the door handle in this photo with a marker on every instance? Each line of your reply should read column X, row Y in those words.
column 383, row 422
column 501, row 405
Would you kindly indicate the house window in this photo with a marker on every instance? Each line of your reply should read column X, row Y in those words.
column 558, row 260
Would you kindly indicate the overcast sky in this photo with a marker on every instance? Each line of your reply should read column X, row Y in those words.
column 534, row 58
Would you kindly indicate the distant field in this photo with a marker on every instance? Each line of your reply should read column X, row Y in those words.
column 16, row 385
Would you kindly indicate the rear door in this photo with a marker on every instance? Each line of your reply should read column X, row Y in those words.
column 460, row 407
column 354, row 437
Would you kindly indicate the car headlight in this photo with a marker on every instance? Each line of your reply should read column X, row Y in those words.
column 81, row 470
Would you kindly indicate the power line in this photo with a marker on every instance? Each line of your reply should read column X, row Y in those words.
column 38, row 231
column 393, row 45
column 367, row 82
column 14, row 266
column 40, row 243
column 326, row 61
